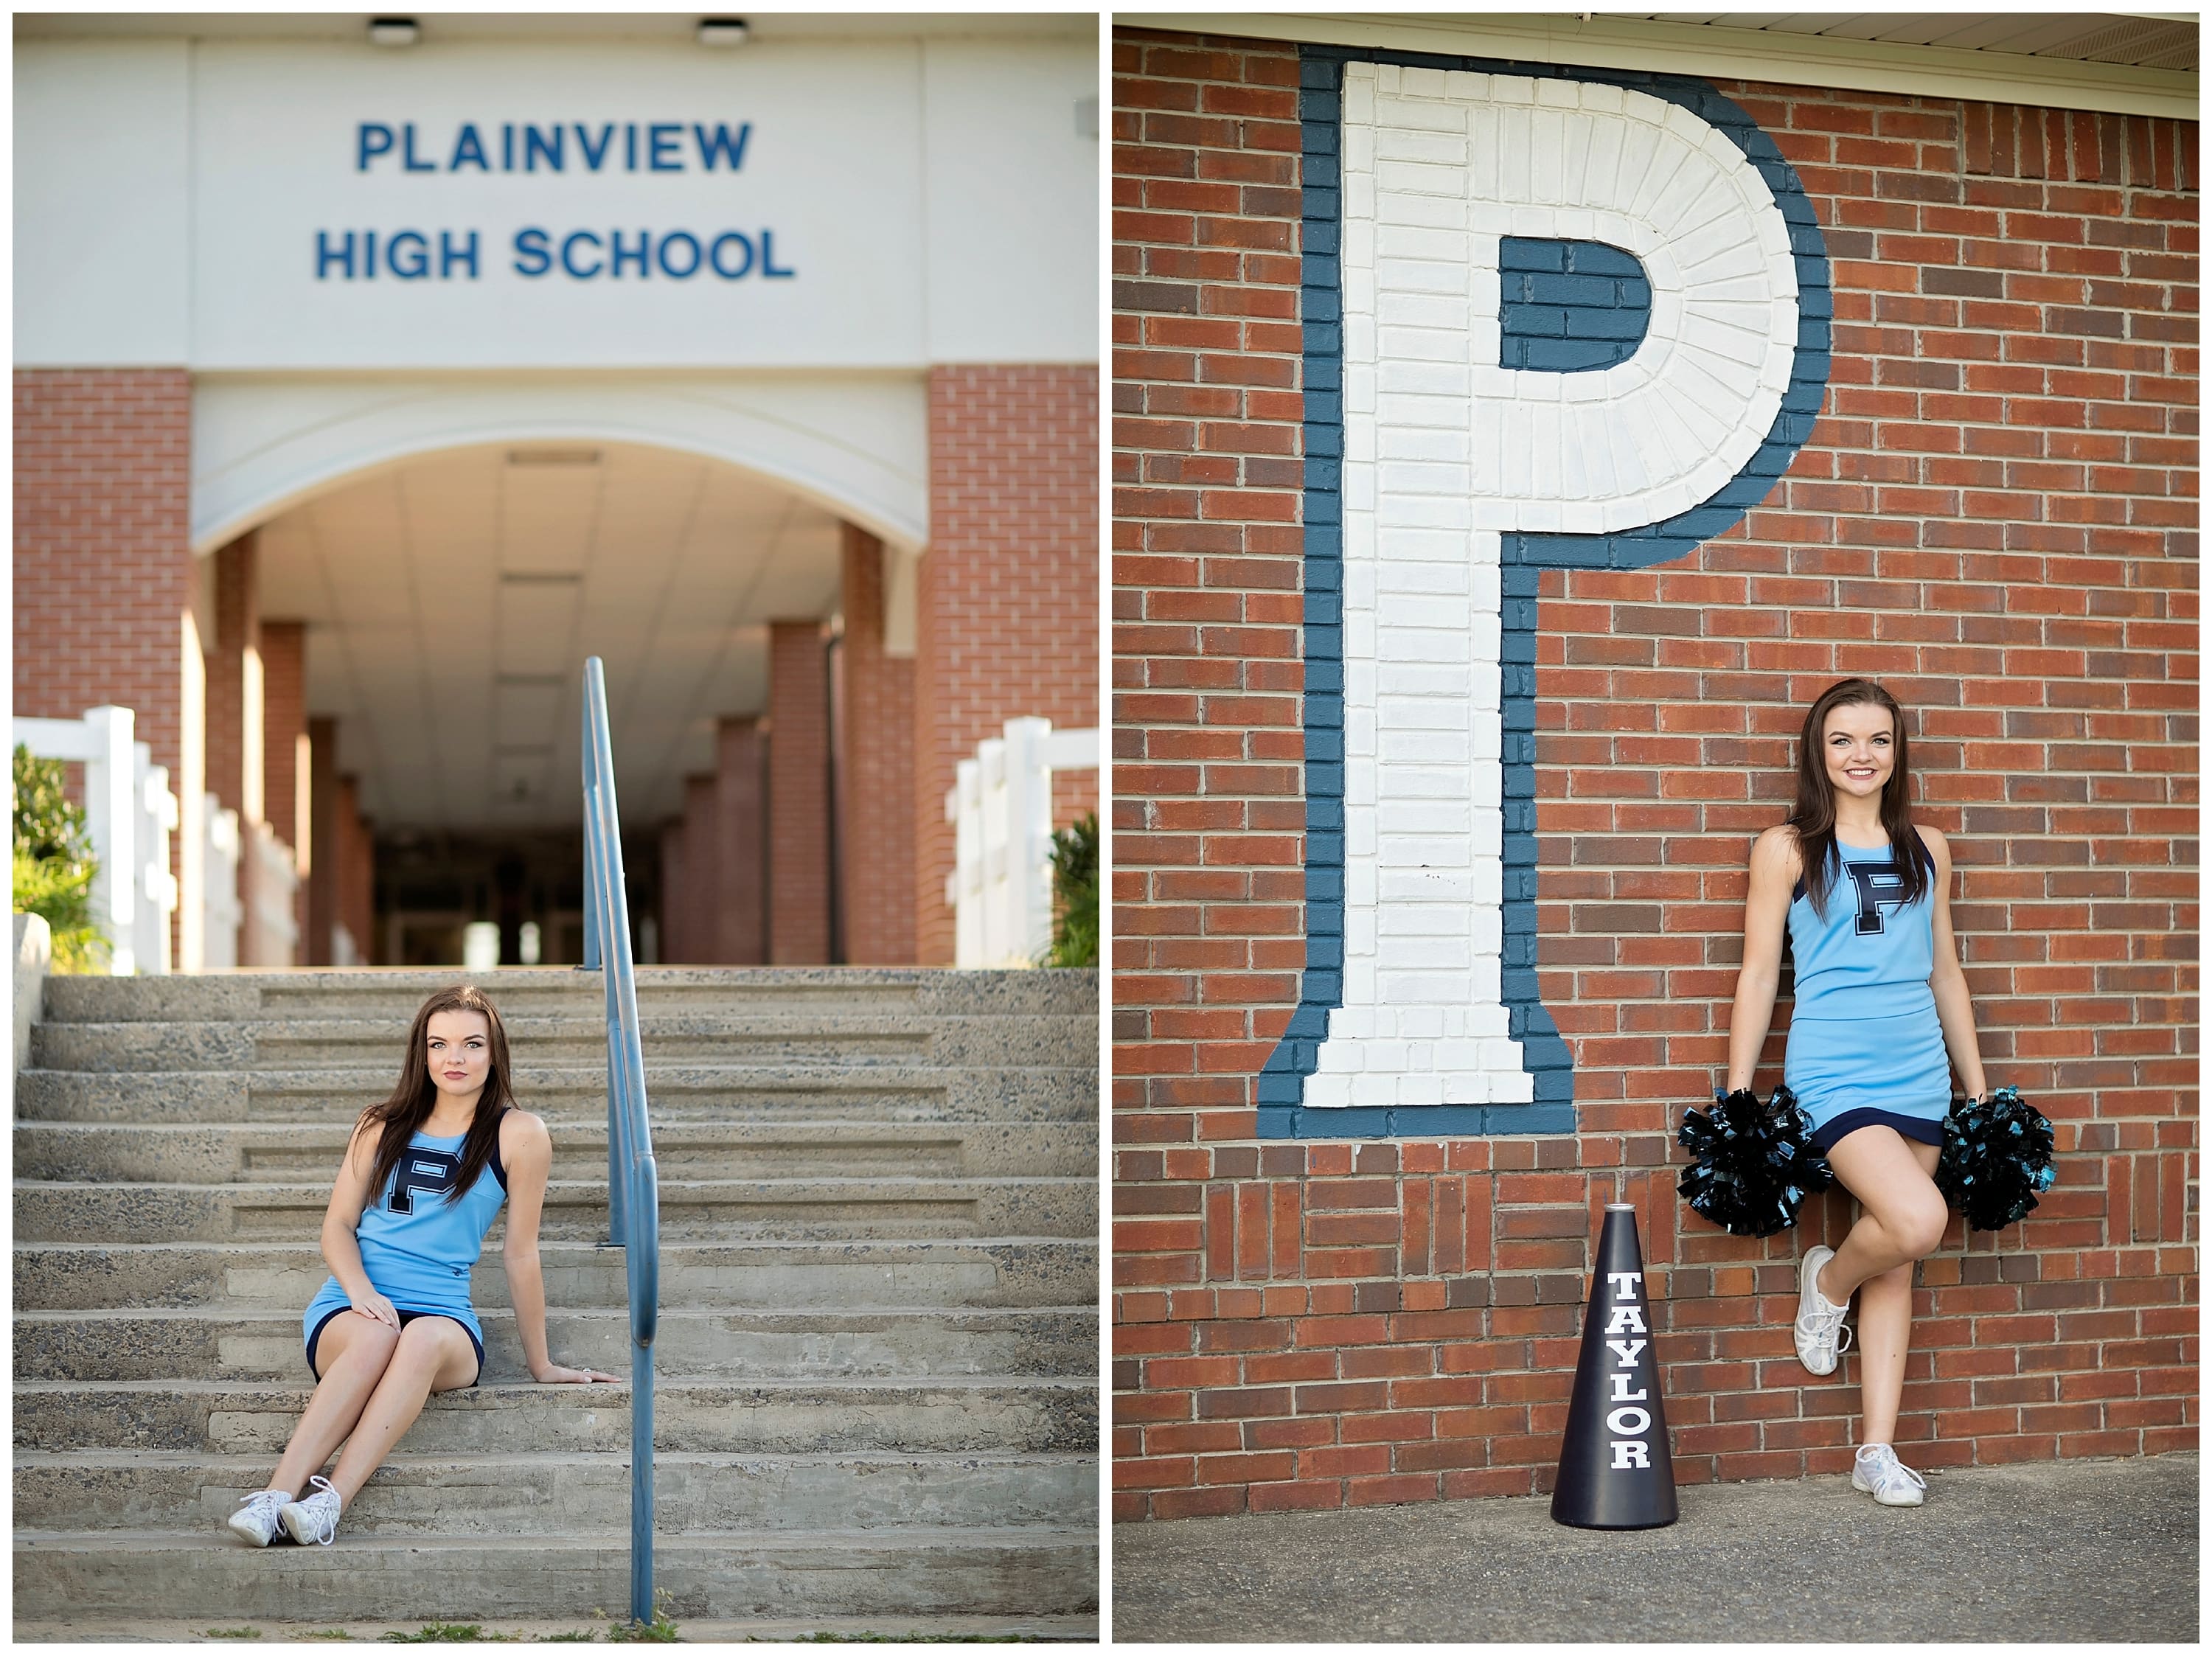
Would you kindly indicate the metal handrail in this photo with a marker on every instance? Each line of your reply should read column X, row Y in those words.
column 633, row 1181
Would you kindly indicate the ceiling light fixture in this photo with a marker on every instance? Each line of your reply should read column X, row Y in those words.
column 724, row 30
column 393, row 32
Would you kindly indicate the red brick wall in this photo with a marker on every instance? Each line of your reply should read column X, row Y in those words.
column 1994, row 516
column 285, row 721
column 237, row 630
column 798, row 795
column 1007, row 624
column 875, row 827
column 357, row 871
column 675, row 892
column 103, row 566
column 284, row 780
column 326, row 848
column 739, row 845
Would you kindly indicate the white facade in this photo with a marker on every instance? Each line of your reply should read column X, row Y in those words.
column 895, row 202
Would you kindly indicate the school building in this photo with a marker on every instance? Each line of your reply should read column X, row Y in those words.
column 368, row 380
column 1519, row 420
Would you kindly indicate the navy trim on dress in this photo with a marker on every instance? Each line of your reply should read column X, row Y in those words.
column 1830, row 1133
column 498, row 1164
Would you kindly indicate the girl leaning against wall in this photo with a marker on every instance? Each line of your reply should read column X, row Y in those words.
column 1881, row 1018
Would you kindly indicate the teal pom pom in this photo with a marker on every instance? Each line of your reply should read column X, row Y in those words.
column 1997, row 1156
column 1753, row 1163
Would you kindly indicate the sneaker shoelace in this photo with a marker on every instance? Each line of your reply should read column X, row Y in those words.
column 263, row 1504
column 323, row 1504
column 1886, row 1471
column 1828, row 1324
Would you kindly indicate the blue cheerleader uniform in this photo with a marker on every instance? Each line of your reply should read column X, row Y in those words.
column 1866, row 1048
column 417, row 1246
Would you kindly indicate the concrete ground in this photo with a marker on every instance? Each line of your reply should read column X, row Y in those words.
column 2090, row 1550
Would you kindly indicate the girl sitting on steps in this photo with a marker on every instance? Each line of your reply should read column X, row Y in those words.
column 424, row 1175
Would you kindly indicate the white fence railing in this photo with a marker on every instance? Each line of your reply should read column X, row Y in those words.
column 1000, row 804
column 129, row 813
column 269, row 881
column 221, row 852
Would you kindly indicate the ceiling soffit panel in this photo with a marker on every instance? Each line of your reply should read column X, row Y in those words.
column 451, row 599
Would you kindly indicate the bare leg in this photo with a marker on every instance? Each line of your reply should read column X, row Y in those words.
column 434, row 1355
column 1902, row 1215
column 353, row 1352
column 1891, row 1176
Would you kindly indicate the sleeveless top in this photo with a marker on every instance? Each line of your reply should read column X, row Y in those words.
column 1870, row 956
column 415, row 1246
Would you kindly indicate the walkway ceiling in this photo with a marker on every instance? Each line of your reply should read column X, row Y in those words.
column 450, row 601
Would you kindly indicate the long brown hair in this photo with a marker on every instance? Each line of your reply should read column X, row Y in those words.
column 1815, row 817
column 402, row 1115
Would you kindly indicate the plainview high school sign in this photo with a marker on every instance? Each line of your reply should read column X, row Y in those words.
column 536, row 251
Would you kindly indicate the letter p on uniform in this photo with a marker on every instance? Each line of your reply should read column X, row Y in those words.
column 1579, row 323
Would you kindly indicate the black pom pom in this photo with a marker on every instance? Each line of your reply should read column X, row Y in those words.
column 1996, row 1155
column 1753, row 1163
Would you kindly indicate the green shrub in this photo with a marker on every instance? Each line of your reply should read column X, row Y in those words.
column 54, row 866
column 1075, row 894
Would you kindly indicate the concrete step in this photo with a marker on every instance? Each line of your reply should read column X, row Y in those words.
column 552, row 1494
column 246, row 1345
column 899, row 1627
column 794, row 1574
column 577, row 1092
column 781, row 1037
column 691, row 1209
column 381, row 992
column 940, row 1415
column 222, row 1154
column 283, row 1276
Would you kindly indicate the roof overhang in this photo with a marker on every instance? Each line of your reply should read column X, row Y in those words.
column 1728, row 50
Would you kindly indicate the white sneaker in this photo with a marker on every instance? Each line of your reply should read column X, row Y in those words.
column 257, row 1519
column 315, row 1520
column 1877, row 1470
column 1821, row 1335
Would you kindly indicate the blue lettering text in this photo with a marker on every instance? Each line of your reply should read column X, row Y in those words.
column 326, row 255
column 568, row 254
column 593, row 157
column 664, row 137
column 408, row 254
column 374, row 138
column 620, row 255
column 690, row 265
column 716, row 141
column 745, row 246
column 532, row 257
column 768, row 256
column 450, row 254
column 541, row 141
column 468, row 148
column 408, row 159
